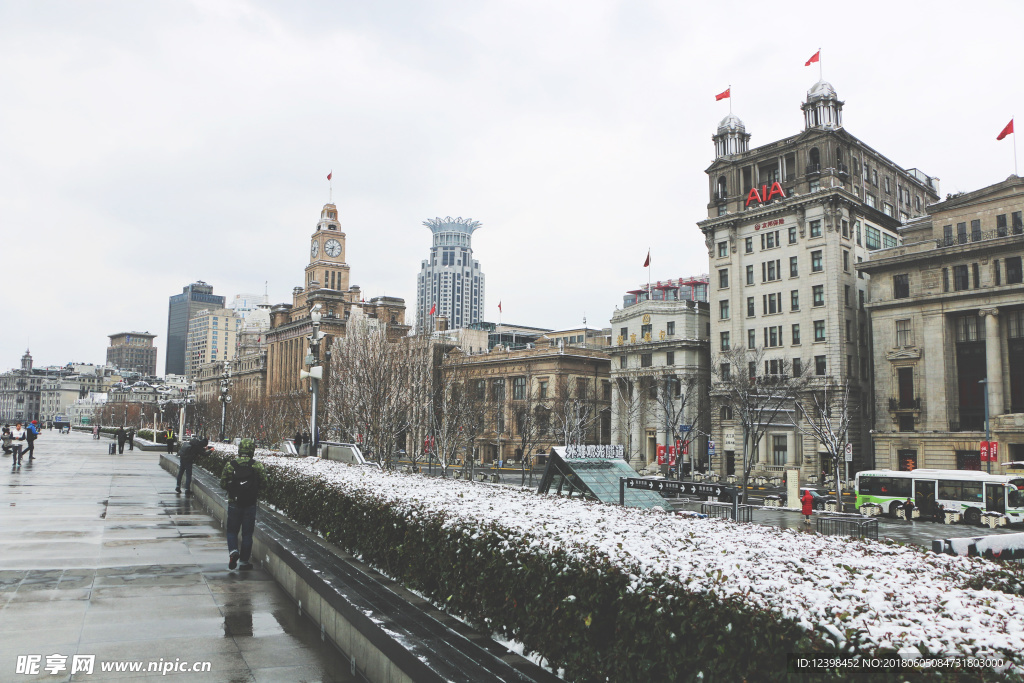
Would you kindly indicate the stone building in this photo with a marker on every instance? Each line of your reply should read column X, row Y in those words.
column 947, row 318
column 20, row 392
column 787, row 224
column 213, row 336
column 133, row 351
column 659, row 370
column 542, row 381
column 327, row 286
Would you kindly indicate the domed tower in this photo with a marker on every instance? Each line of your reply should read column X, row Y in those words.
column 822, row 108
column 26, row 362
column 732, row 137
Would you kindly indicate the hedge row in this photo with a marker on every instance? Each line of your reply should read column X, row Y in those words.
column 587, row 617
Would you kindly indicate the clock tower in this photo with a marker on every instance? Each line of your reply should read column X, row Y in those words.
column 327, row 267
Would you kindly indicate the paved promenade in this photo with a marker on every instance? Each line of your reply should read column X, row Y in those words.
column 99, row 556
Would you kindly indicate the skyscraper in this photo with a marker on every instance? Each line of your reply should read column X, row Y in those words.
column 450, row 282
column 183, row 307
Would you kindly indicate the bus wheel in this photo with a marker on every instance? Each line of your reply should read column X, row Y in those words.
column 972, row 516
column 893, row 507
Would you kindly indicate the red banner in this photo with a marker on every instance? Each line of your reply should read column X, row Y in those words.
column 984, row 451
column 661, row 454
column 993, row 451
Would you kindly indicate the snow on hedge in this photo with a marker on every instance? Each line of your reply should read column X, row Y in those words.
column 897, row 596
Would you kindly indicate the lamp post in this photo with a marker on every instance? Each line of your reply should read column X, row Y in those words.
column 225, row 398
column 314, row 374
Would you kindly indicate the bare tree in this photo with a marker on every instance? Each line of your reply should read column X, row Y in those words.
column 755, row 397
column 675, row 396
column 367, row 397
column 632, row 408
column 825, row 416
column 529, row 414
column 455, row 411
column 574, row 412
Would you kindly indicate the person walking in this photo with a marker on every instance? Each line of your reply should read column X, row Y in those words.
column 186, row 458
column 31, row 434
column 121, row 437
column 96, row 432
column 807, row 503
column 7, row 439
column 908, row 510
column 20, row 437
column 131, row 439
column 170, row 440
column 244, row 479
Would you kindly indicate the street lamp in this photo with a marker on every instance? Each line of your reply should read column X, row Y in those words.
column 315, row 373
column 225, row 398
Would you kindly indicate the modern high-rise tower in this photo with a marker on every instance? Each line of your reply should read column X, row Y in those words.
column 183, row 307
column 450, row 282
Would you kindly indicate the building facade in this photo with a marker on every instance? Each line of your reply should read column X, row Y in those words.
column 213, row 336
column 787, row 224
column 539, row 389
column 20, row 392
column 450, row 282
column 947, row 317
column 327, row 286
column 181, row 309
column 660, row 372
column 133, row 351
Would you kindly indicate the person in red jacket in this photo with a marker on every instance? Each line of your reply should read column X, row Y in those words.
column 808, row 505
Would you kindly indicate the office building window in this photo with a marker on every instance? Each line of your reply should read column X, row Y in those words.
column 976, row 230
column 792, row 235
column 670, row 327
column 724, row 372
column 846, row 295
column 795, row 331
column 794, row 269
column 903, row 336
column 816, row 263
column 815, row 228
column 856, row 231
column 960, row 278
column 724, row 343
column 846, row 228
column 750, row 275
column 518, row 388
column 818, row 295
column 670, row 358
column 976, row 275
column 794, row 300
column 723, row 249
column 797, row 367
column 820, row 367
column 748, row 245
column 750, row 307
column 819, row 330
column 846, row 261
column 723, row 309
column 1013, row 270
column 723, row 278
column 751, row 339
column 646, row 360
column 901, row 286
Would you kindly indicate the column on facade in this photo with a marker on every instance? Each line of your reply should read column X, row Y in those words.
column 993, row 361
column 790, row 449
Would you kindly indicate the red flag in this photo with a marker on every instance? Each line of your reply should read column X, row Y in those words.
column 330, row 174
column 724, row 94
column 432, row 309
column 647, row 262
column 499, row 307
column 1006, row 131
column 815, row 57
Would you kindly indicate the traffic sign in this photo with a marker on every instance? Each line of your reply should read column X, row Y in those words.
column 684, row 428
column 711, row 446
column 849, row 452
column 680, row 487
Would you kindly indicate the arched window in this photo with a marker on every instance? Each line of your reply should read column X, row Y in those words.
column 726, row 413
column 839, row 156
column 722, row 188
column 814, row 160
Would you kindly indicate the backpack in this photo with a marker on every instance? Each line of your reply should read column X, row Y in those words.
column 244, row 485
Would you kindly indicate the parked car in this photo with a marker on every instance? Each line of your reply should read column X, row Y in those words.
column 819, row 498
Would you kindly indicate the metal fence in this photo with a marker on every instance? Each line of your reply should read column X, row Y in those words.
column 846, row 526
column 724, row 510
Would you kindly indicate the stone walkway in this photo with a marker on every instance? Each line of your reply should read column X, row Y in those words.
column 99, row 556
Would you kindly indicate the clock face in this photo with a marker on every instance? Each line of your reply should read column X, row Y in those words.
column 314, row 250
column 333, row 248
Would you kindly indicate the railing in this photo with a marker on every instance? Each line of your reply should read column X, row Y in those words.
column 724, row 511
column 978, row 236
column 813, row 168
column 843, row 169
column 847, row 526
column 905, row 403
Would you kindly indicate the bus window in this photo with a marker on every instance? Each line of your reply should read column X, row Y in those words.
column 901, row 487
column 971, row 492
column 949, row 490
column 868, row 486
column 882, row 486
column 1014, row 498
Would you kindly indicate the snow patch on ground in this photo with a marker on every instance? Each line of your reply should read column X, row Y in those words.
column 898, row 597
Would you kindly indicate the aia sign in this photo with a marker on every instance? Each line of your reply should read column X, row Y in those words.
column 765, row 195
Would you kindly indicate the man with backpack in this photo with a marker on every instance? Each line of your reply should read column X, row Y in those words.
column 190, row 450
column 31, row 434
column 244, row 479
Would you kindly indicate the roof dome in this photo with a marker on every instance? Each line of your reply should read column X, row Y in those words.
column 731, row 122
column 820, row 90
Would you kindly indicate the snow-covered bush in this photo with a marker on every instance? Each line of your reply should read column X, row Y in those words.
column 620, row 594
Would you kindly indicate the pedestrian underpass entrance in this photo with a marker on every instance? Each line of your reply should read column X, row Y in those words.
column 594, row 472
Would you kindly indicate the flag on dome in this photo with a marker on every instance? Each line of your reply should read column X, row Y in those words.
column 724, row 94
column 815, row 57
column 1006, row 131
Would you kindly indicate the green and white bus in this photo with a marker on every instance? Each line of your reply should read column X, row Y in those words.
column 970, row 491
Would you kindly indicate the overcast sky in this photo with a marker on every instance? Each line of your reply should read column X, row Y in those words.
column 145, row 145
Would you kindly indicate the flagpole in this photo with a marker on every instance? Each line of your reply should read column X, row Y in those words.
column 730, row 98
column 1014, row 151
column 649, row 262
column 820, row 77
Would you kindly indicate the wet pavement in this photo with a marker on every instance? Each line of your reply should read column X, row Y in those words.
column 915, row 532
column 99, row 556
